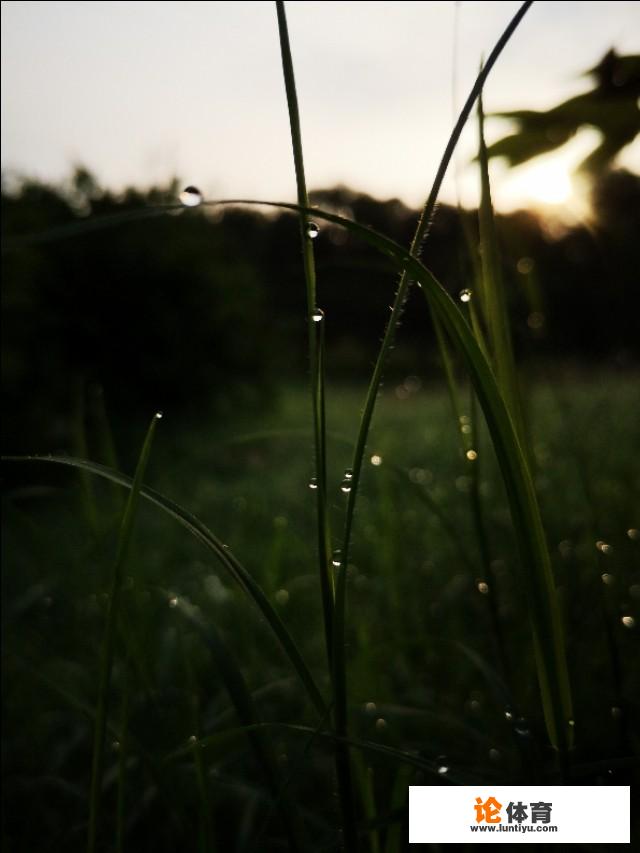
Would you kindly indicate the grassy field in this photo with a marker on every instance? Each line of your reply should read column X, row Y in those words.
column 428, row 672
column 357, row 590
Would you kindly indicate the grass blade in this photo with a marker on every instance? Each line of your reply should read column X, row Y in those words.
column 315, row 324
column 537, row 577
column 492, row 292
column 243, row 703
column 108, row 643
column 202, row 533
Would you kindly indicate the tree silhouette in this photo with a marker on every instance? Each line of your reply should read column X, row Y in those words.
column 611, row 107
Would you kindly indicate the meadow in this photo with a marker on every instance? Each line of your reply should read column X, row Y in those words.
column 290, row 614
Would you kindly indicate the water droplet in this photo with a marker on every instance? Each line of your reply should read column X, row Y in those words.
column 370, row 707
column 471, row 455
column 603, row 547
column 442, row 764
column 376, row 460
column 345, row 486
column 616, row 712
column 336, row 562
column 115, row 745
column 607, row 578
column 465, row 295
column 483, row 587
column 318, row 315
column 525, row 265
column 192, row 740
column 535, row 320
column 494, row 755
column 571, row 723
column 508, row 715
column 628, row 622
column 313, row 230
column 633, row 534
column 191, row 197
column 313, row 483
column 381, row 724
column 465, row 429
column 348, row 474
column 159, row 416
column 282, row 596
column 173, row 602
column 522, row 727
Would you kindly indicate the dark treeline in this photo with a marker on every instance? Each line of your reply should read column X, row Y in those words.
column 195, row 311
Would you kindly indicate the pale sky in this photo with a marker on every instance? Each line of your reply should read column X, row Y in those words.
column 141, row 91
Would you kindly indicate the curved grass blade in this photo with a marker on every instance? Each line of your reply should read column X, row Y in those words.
column 243, row 703
column 85, row 226
column 390, row 752
column 108, row 643
column 424, row 223
column 202, row 533
column 537, row 577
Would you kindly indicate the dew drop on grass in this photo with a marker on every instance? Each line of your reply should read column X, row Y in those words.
column 633, row 534
column 159, row 416
column 522, row 727
column 337, row 559
column 192, row 740
column 313, row 483
column 483, row 587
column 282, row 597
column 571, row 723
column 616, row 712
column 370, row 707
column 494, row 755
column 313, row 230
column 173, row 602
column 376, row 460
column 508, row 715
column 443, row 765
column 535, row 320
column 191, row 196
column 381, row 724
column 465, row 295
column 318, row 315
column 603, row 547
column 607, row 579
column 345, row 486
column 115, row 745
column 628, row 621
column 471, row 455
